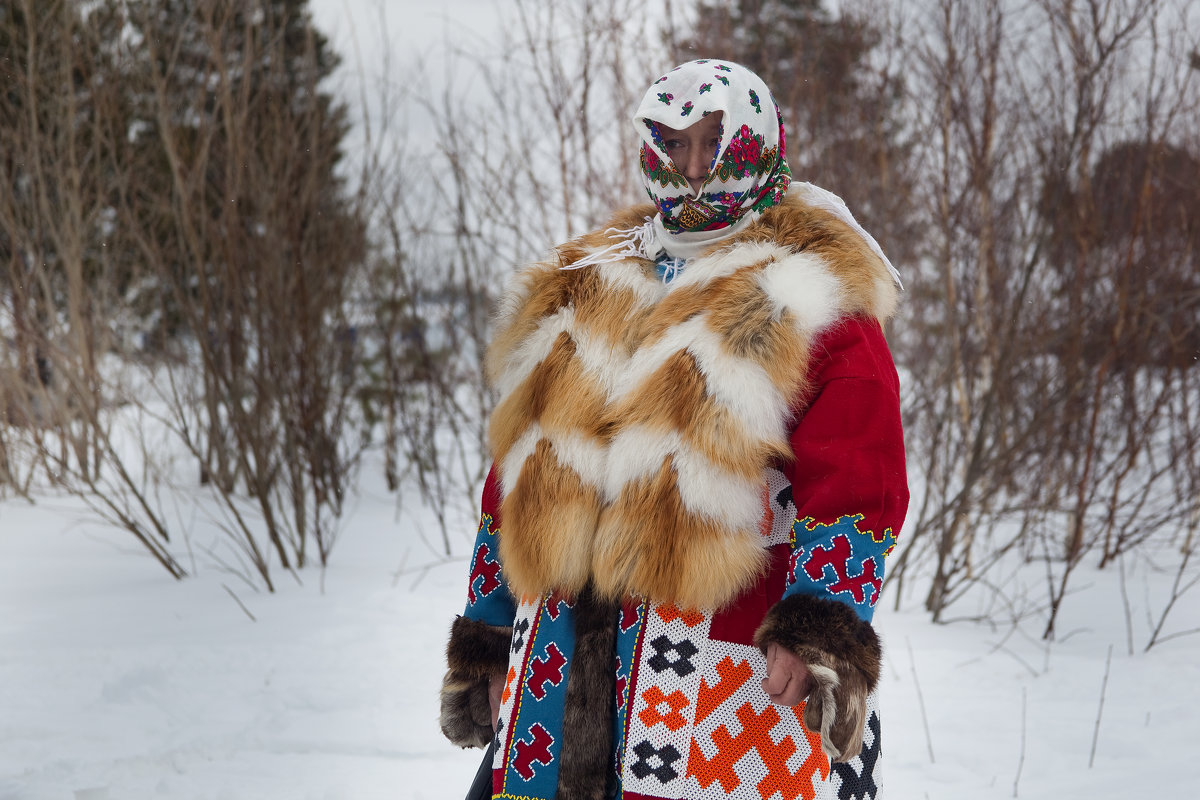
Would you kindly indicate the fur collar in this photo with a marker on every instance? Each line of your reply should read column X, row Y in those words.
column 635, row 420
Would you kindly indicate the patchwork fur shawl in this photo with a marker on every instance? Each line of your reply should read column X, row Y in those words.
column 635, row 419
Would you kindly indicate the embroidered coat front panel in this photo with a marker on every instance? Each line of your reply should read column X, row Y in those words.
column 690, row 719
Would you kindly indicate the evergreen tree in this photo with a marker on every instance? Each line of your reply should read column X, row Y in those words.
column 232, row 128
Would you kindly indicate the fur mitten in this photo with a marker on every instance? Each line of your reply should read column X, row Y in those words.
column 843, row 656
column 475, row 653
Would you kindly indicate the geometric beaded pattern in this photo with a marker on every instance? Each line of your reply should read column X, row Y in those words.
column 859, row 778
column 839, row 560
column 663, row 701
column 779, row 510
column 488, row 598
column 745, row 746
column 700, row 726
column 518, row 657
column 631, row 627
column 693, row 720
column 533, row 702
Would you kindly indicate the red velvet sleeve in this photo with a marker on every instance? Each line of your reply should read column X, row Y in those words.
column 848, row 478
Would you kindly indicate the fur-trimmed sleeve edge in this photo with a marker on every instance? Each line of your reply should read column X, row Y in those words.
column 475, row 654
column 843, row 656
column 476, row 650
column 801, row 622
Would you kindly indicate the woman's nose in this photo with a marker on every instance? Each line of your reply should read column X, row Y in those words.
column 697, row 165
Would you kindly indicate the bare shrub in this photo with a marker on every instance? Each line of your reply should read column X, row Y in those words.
column 1057, row 303
column 60, row 281
column 174, row 204
column 255, row 259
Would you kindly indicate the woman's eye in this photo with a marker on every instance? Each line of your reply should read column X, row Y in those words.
column 715, row 143
column 673, row 144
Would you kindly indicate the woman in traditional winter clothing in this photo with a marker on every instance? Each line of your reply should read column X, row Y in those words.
column 698, row 471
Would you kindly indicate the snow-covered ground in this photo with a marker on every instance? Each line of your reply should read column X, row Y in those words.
column 117, row 683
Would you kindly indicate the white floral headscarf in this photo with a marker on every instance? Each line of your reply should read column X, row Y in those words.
column 749, row 171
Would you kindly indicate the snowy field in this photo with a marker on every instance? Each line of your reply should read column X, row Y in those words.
column 117, row 683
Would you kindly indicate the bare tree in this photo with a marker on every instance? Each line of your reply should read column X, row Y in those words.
column 1055, row 308
column 61, row 282
column 531, row 145
column 172, row 172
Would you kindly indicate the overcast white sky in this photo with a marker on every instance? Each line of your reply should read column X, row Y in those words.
column 398, row 48
column 410, row 32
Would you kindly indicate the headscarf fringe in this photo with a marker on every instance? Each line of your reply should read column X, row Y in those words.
column 636, row 242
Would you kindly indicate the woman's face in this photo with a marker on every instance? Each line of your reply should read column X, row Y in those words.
column 693, row 148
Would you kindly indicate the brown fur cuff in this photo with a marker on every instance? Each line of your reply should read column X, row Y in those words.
column 475, row 653
column 843, row 655
column 476, row 649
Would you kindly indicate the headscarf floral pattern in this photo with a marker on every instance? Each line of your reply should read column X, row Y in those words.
column 749, row 171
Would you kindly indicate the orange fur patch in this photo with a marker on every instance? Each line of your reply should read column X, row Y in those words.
column 694, row 561
column 547, row 500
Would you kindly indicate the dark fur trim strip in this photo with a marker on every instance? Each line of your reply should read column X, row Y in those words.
column 843, row 654
column 476, row 649
column 587, row 718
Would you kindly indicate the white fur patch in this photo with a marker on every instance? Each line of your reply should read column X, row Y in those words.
column 517, row 288
column 740, row 385
column 644, row 362
column 533, row 350
column 601, row 360
column 886, row 298
column 597, row 355
column 802, row 284
column 584, row 456
column 514, row 459
column 638, row 452
column 628, row 274
column 726, row 262
column 716, row 494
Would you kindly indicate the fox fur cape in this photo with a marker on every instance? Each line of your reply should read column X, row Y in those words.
column 635, row 419
column 634, row 426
